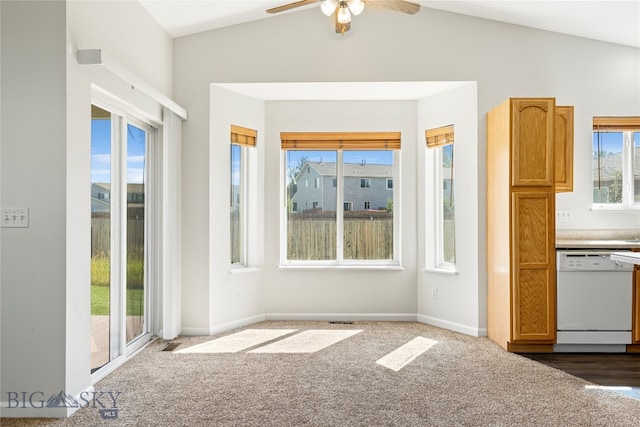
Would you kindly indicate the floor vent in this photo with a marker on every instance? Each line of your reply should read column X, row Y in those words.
column 171, row 346
column 339, row 322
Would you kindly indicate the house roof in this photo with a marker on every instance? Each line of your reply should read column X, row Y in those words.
column 365, row 170
column 131, row 188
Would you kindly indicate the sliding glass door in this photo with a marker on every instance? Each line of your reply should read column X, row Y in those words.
column 120, row 162
column 137, row 140
column 101, row 135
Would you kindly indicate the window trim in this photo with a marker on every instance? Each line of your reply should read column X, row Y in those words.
column 339, row 263
column 243, row 216
column 436, row 139
column 245, row 138
column 439, row 214
column 627, row 126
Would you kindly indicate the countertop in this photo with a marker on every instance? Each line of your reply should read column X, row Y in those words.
column 598, row 239
column 597, row 244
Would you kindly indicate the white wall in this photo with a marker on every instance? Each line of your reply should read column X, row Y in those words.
column 125, row 32
column 312, row 294
column 235, row 297
column 34, row 153
column 46, row 145
column 505, row 60
column 461, row 303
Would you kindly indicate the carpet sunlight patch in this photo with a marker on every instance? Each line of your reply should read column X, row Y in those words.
column 237, row 342
column 308, row 341
column 633, row 392
column 405, row 354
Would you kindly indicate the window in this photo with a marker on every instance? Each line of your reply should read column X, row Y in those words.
column 338, row 234
column 242, row 140
column 389, row 183
column 440, row 143
column 616, row 162
column 315, row 205
column 317, row 183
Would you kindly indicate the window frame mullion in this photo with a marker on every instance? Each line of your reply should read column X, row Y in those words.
column 629, row 173
column 339, row 207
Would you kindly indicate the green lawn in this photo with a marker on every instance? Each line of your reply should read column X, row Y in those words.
column 100, row 301
column 100, row 287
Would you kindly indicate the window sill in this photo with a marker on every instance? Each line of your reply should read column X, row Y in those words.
column 361, row 267
column 441, row 270
column 614, row 208
column 242, row 270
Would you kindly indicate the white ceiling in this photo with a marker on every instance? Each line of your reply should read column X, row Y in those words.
column 606, row 20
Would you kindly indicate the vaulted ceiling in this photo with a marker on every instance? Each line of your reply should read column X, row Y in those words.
column 611, row 21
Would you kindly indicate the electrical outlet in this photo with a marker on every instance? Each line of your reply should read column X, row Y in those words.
column 434, row 293
column 15, row 217
column 563, row 215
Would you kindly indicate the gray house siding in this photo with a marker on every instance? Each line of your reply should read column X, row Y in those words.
column 315, row 187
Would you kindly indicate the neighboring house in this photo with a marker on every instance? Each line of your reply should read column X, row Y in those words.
column 101, row 196
column 447, row 191
column 366, row 187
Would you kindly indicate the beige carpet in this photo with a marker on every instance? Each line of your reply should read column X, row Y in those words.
column 459, row 381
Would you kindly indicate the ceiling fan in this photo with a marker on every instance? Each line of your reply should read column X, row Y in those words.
column 343, row 9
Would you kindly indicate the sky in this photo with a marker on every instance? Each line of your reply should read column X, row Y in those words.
column 372, row 157
column 612, row 141
column 101, row 152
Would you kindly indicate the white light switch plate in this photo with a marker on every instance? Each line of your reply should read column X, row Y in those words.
column 15, row 217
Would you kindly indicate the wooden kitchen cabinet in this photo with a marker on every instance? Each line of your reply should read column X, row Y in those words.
column 521, row 225
column 563, row 149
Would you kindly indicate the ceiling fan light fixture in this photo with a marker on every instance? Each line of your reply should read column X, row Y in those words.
column 328, row 6
column 355, row 6
column 344, row 15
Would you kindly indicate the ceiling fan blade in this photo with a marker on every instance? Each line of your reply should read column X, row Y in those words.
column 397, row 5
column 291, row 6
column 341, row 28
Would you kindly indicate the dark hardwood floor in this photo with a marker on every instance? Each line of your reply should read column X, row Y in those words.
column 607, row 369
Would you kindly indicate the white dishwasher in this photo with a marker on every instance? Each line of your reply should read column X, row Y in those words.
column 594, row 301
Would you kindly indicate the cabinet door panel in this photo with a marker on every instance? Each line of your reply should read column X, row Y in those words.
column 563, row 149
column 534, row 305
column 635, row 307
column 532, row 141
column 534, row 281
column 533, row 231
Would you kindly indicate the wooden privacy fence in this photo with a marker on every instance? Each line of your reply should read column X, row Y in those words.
column 101, row 235
column 367, row 235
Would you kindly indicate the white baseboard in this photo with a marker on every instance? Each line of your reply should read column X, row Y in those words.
column 224, row 327
column 28, row 404
column 194, row 331
column 338, row 317
column 452, row 326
